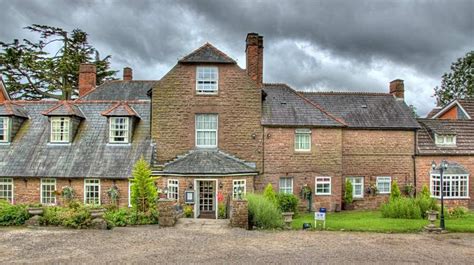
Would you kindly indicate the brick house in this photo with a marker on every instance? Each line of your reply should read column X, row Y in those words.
column 448, row 134
column 212, row 132
column 89, row 144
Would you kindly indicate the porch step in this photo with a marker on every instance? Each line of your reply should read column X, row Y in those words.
column 213, row 225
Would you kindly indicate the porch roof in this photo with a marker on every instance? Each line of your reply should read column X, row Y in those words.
column 209, row 162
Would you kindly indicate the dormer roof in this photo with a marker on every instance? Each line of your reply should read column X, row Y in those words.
column 457, row 109
column 207, row 53
column 9, row 108
column 64, row 108
column 121, row 109
column 3, row 91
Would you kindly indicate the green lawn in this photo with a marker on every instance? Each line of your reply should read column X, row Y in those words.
column 372, row 221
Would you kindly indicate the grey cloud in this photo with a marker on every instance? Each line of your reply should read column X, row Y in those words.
column 421, row 36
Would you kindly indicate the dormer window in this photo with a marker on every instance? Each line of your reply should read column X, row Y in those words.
column 4, row 130
column 119, row 128
column 445, row 139
column 207, row 80
column 60, row 129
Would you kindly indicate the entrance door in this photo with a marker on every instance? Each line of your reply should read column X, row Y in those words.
column 207, row 199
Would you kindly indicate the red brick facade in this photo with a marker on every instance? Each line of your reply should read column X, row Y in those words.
column 423, row 169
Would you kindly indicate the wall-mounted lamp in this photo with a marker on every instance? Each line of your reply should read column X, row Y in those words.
column 268, row 135
column 221, row 185
column 190, row 185
column 254, row 136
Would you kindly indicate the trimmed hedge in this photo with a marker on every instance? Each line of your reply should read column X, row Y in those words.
column 12, row 214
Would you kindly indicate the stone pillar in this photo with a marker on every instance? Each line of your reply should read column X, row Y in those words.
column 239, row 215
column 166, row 212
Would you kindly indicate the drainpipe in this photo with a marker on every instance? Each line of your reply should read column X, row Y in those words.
column 414, row 160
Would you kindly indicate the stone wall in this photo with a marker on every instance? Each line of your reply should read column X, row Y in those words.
column 423, row 169
column 325, row 159
column 373, row 153
column 237, row 104
column 239, row 214
column 166, row 212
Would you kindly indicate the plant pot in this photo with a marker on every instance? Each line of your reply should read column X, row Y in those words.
column 348, row 206
column 288, row 217
column 35, row 210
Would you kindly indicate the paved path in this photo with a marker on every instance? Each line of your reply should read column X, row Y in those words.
column 214, row 243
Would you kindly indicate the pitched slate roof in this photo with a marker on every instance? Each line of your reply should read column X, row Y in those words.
column 464, row 106
column 453, row 168
column 64, row 108
column 207, row 162
column 207, row 54
column 468, row 105
column 463, row 129
column 354, row 110
column 283, row 106
column 121, row 109
column 3, row 89
column 89, row 154
column 9, row 108
column 433, row 112
column 121, row 90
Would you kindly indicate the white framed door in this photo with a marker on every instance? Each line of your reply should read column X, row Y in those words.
column 206, row 191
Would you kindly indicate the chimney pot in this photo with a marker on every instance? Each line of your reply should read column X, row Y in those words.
column 87, row 78
column 127, row 74
column 397, row 89
column 254, row 56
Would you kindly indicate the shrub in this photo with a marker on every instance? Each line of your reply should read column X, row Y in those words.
column 348, row 193
column 425, row 202
column 144, row 193
column 74, row 216
column 188, row 211
column 458, row 212
column 12, row 214
column 405, row 208
column 68, row 194
column 126, row 216
column 270, row 194
column 395, row 191
column 287, row 202
column 113, row 194
column 263, row 213
column 222, row 211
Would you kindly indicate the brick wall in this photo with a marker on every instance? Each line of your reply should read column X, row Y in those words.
column 27, row 190
column 372, row 153
column 239, row 215
column 238, row 105
column 423, row 169
column 325, row 159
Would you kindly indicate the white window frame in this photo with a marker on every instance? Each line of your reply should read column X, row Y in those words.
column 236, row 183
column 449, row 180
column 207, row 86
column 6, row 129
column 48, row 182
column 91, row 183
column 323, row 181
column 7, row 182
column 284, row 188
column 383, row 180
column 197, row 131
column 173, row 194
column 442, row 139
column 112, row 130
column 352, row 180
column 299, row 135
column 63, row 132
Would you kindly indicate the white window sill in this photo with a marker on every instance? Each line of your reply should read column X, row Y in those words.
column 119, row 144
column 303, row 150
column 384, row 193
column 453, row 198
column 5, row 143
column 58, row 144
column 323, row 194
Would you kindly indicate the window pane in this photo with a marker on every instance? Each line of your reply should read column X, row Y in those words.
column 323, row 186
column 92, row 191
column 207, row 80
column 286, row 185
column 6, row 189
column 48, row 189
column 59, row 129
column 3, row 129
column 302, row 139
column 238, row 185
column 206, row 130
column 173, row 189
column 119, row 128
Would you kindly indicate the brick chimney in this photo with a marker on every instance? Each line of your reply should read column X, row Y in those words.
column 87, row 78
column 127, row 74
column 254, row 54
column 397, row 89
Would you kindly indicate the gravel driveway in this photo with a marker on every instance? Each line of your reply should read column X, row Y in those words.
column 216, row 244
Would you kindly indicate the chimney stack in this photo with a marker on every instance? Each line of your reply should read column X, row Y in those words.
column 127, row 74
column 87, row 78
column 397, row 89
column 254, row 56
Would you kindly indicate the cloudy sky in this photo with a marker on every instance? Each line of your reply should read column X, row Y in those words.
column 311, row 45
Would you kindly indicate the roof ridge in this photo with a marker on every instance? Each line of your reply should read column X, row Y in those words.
column 202, row 47
column 332, row 116
column 347, row 93
column 127, row 108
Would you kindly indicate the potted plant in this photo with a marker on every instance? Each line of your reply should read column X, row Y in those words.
column 67, row 194
column 410, row 190
column 113, row 194
column 348, row 199
column 372, row 190
column 288, row 204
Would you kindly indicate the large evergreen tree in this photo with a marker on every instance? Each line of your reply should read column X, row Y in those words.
column 459, row 83
column 143, row 190
column 49, row 67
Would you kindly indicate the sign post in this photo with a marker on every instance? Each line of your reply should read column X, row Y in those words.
column 321, row 217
